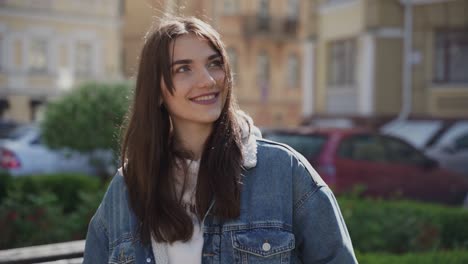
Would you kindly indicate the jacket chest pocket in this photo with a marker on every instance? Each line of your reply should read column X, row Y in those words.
column 263, row 245
column 123, row 253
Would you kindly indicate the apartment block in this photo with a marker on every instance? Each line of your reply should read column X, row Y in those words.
column 296, row 60
column 360, row 62
column 49, row 46
column 264, row 39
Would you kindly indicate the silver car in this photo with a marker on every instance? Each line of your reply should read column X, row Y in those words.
column 451, row 148
column 446, row 142
column 23, row 153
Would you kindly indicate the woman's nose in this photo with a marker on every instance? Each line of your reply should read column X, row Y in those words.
column 205, row 79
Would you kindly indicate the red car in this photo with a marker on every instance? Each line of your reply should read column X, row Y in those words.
column 384, row 166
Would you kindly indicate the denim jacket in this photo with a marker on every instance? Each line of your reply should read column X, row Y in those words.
column 288, row 215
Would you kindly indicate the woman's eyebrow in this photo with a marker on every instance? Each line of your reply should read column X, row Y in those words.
column 214, row 56
column 181, row 62
column 188, row 61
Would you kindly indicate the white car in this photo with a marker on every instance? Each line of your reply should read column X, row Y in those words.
column 23, row 153
column 450, row 148
column 446, row 142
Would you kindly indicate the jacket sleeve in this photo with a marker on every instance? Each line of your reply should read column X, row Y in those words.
column 97, row 242
column 320, row 231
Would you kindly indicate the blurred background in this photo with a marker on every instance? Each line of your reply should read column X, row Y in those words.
column 374, row 93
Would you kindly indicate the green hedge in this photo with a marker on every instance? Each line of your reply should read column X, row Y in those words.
column 61, row 206
column 445, row 257
column 5, row 181
column 404, row 226
column 47, row 209
column 65, row 186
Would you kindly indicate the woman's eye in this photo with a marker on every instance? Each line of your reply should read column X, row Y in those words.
column 216, row 63
column 184, row 68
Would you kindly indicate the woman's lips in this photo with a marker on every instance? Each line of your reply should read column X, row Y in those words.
column 206, row 99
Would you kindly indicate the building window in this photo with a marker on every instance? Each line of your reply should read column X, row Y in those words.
column 4, row 105
column 264, row 8
column 451, row 57
column 230, row 7
column 36, row 108
column 38, row 55
column 341, row 63
column 263, row 67
column 83, row 59
column 292, row 17
column 263, row 18
column 233, row 61
column 292, row 71
column 1, row 53
column 263, row 74
column 337, row 1
column 293, row 9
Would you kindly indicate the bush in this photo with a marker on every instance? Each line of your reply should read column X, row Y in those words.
column 436, row 257
column 87, row 119
column 34, row 211
column 78, row 220
column 29, row 219
column 65, row 187
column 403, row 226
column 5, row 181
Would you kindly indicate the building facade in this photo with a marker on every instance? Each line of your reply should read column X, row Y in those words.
column 264, row 39
column 360, row 63
column 300, row 59
column 47, row 47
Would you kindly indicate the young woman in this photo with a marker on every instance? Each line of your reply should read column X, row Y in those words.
column 197, row 182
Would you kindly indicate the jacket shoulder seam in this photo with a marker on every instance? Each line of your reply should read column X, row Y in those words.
column 298, row 158
column 100, row 225
column 298, row 205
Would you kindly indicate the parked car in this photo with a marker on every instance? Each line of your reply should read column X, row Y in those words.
column 23, row 153
column 385, row 166
column 450, row 148
column 445, row 141
column 6, row 128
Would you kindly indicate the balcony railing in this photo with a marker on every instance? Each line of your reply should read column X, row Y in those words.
column 270, row 27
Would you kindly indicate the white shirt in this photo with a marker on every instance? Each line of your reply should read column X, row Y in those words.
column 179, row 252
column 190, row 252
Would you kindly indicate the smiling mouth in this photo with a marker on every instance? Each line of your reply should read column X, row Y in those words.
column 206, row 99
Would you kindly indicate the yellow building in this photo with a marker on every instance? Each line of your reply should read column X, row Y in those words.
column 48, row 46
column 360, row 62
column 265, row 41
column 301, row 59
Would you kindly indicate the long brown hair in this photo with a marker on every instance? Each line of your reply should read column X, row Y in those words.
column 148, row 152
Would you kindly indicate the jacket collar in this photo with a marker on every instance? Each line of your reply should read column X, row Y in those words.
column 249, row 134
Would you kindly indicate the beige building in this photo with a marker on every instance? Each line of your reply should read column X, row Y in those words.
column 360, row 58
column 296, row 59
column 48, row 46
column 265, row 40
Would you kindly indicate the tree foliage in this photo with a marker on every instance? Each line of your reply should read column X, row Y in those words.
column 87, row 118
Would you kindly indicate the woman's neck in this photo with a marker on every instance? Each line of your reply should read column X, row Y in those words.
column 192, row 138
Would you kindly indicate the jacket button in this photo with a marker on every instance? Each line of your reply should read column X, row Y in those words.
column 266, row 246
column 148, row 260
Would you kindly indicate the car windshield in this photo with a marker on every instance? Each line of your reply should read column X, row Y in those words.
column 308, row 145
column 19, row 132
column 457, row 130
column 416, row 132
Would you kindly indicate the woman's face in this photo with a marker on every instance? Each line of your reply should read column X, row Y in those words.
column 198, row 77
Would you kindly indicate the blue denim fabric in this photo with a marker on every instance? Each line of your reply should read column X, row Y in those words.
column 288, row 215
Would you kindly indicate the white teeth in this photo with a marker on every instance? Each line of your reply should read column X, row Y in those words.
column 204, row 98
